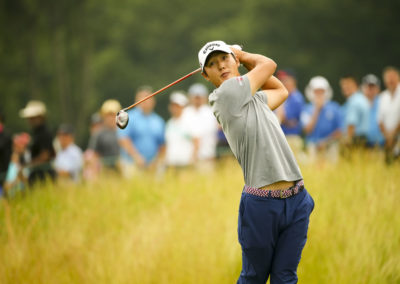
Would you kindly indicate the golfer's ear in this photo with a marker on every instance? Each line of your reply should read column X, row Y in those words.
column 204, row 74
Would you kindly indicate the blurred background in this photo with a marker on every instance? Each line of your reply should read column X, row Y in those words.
column 73, row 54
column 179, row 224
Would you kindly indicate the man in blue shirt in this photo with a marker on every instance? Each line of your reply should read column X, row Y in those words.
column 289, row 112
column 321, row 119
column 143, row 140
column 371, row 89
column 356, row 112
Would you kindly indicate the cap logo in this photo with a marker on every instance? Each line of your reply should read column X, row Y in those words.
column 210, row 47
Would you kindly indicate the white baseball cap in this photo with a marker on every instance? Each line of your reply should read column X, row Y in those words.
column 178, row 98
column 198, row 89
column 318, row 82
column 212, row 46
column 33, row 109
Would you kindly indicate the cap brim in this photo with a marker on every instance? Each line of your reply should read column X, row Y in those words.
column 212, row 48
column 28, row 113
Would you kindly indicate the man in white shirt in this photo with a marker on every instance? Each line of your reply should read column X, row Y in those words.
column 389, row 111
column 203, row 124
column 178, row 134
column 69, row 159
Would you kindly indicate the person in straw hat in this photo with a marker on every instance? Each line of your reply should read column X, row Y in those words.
column 105, row 141
column 41, row 148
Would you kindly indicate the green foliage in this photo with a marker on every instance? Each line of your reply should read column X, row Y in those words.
column 75, row 54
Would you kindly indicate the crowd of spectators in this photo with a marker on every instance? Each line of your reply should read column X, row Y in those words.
column 316, row 128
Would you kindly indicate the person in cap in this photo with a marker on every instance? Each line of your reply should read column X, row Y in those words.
column 389, row 112
column 178, row 134
column 41, row 149
column 356, row 112
column 275, row 207
column 204, row 126
column 143, row 140
column 370, row 86
column 104, row 142
column 69, row 160
column 321, row 120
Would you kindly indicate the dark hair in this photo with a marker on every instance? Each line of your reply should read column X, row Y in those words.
column 144, row 88
column 350, row 77
column 66, row 128
column 390, row 68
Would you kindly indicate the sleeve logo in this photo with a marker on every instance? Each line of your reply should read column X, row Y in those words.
column 240, row 80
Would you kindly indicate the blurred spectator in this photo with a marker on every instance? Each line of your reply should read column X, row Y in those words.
column 389, row 111
column 17, row 173
column 91, row 161
column 178, row 134
column 289, row 112
column 355, row 111
column 143, row 139
column 69, row 160
column 371, row 89
column 321, row 120
column 41, row 148
column 5, row 151
column 204, row 126
column 104, row 141
column 96, row 123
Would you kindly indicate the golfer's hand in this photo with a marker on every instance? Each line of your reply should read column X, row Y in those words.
column 237, row 50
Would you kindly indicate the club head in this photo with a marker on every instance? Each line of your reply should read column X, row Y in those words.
column 122, row 119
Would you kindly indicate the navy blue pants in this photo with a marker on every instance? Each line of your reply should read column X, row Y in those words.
column 272, row 233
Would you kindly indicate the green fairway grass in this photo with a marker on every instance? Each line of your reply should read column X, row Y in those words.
column 182, row 228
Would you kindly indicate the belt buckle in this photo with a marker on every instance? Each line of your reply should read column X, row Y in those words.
column 281, row 194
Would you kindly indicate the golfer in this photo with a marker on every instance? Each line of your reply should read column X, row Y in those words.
column 274, row 207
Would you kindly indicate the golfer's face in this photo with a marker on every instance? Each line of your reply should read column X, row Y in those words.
column 220, row 67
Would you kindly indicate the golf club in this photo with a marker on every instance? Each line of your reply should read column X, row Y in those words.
column 122, row 117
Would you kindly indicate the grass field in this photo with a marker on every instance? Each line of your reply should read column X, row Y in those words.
column 182, row 228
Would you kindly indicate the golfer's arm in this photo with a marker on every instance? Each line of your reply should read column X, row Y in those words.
column 260, row 76
column 260, row 69
column 275, row 91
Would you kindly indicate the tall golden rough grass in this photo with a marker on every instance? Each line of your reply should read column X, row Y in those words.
column 182, row 228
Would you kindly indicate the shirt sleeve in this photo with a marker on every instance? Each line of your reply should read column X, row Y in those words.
column 352, row 114
column 338, row 118
column 380, row 113
column 161, row 136
column 262, row 95
column 228, row 100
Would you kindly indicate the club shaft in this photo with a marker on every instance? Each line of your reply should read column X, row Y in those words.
column 163, row 89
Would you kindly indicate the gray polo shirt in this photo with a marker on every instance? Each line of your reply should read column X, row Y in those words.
column 253, row 133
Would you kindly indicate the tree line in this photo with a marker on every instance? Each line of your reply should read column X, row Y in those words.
column 74, row 54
